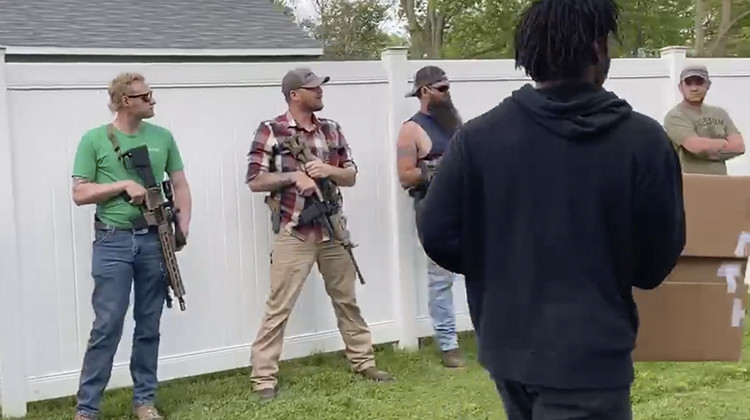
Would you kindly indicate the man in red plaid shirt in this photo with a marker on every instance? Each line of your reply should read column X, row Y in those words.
column 272, row 168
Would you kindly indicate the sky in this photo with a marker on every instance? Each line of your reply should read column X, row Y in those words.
column 304, row 8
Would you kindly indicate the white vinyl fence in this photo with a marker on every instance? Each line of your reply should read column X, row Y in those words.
column 213, row 109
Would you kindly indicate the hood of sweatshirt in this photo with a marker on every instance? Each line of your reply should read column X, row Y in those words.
column 574, row 110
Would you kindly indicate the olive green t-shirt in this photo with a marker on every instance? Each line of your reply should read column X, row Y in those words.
column 712, row 122
column 97, row 161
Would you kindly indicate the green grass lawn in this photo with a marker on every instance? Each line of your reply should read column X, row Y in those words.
column 321, row 388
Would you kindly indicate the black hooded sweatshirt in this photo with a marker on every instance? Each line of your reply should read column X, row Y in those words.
column 554, row 204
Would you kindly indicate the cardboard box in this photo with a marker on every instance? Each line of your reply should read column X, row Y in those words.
column 697, row 314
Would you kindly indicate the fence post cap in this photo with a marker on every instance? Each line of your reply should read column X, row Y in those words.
column 673, row 49
column 396, row 50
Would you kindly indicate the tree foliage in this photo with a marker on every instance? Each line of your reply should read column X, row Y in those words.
column 646, row 26
column 350, row 30
column 483, row 29
column 720, row 26
column 354, row 29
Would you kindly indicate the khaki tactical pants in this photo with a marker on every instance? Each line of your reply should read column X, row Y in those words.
column 291, row 262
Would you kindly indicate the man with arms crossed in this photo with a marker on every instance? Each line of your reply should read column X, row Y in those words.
column 421, row 143
column 122, row 255
column 554, row 204
column 703, row 135
column 272, row 168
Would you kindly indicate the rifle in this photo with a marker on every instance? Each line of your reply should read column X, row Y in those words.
column 157, row 211
column 323, row 207
column 428, row 170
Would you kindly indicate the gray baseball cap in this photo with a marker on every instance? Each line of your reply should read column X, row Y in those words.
column 301, row 78
column 694, row 71
column 426, row 76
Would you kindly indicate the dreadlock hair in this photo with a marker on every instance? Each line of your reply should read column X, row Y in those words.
column 554, row 39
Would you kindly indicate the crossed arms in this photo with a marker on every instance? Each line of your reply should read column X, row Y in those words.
column 682, row 132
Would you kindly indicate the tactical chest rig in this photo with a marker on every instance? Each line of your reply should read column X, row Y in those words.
column 322, row 208
column 155, row 211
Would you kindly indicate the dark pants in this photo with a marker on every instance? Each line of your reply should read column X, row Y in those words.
column 524, row 402
column 121, row 260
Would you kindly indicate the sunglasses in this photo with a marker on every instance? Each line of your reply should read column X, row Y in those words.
column 441, row 89
column 146, row 97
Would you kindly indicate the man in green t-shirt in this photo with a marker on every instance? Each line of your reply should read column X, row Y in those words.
column 125, row 255
column 703, row 135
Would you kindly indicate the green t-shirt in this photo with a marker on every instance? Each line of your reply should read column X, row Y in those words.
column 712, row 122
column 97, row 161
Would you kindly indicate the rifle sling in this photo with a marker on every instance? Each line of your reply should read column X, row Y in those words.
column 113, row 139
column 138, row 222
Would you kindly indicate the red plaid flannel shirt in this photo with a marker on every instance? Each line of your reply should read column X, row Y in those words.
column 326, row 141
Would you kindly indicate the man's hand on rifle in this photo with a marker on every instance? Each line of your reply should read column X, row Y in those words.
column 305, row 185
column 318, row 169
column 135, row 191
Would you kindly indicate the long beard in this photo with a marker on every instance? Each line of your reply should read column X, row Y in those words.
column 445, row 115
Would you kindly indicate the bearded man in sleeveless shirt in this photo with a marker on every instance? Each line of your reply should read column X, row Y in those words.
column 421, row 143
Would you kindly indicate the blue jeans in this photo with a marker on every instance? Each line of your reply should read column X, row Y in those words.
column 122, row 259
column 440, row 303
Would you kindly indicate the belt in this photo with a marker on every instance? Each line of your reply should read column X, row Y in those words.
column 103, row 226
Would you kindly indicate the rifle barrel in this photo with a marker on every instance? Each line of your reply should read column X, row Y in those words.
column 356, row 266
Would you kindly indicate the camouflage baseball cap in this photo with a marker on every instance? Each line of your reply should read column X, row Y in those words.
column 301, row 78
column 426, row 76
column 694, row 71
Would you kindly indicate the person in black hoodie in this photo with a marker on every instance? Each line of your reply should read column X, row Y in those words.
column 553, row 205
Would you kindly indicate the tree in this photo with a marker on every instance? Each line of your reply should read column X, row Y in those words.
column 486, row 30
column 284, row 8
column 353, row 29
column 720, row 27
column 350, row 30
column 428, row 22
column 483, row 29
column 647, row 25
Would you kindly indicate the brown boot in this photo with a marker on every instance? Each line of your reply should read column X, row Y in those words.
column 266, row 394
column 147, row 412
column 375, row 374
column 453, row 359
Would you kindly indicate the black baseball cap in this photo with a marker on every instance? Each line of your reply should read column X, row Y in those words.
column 426, row 76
